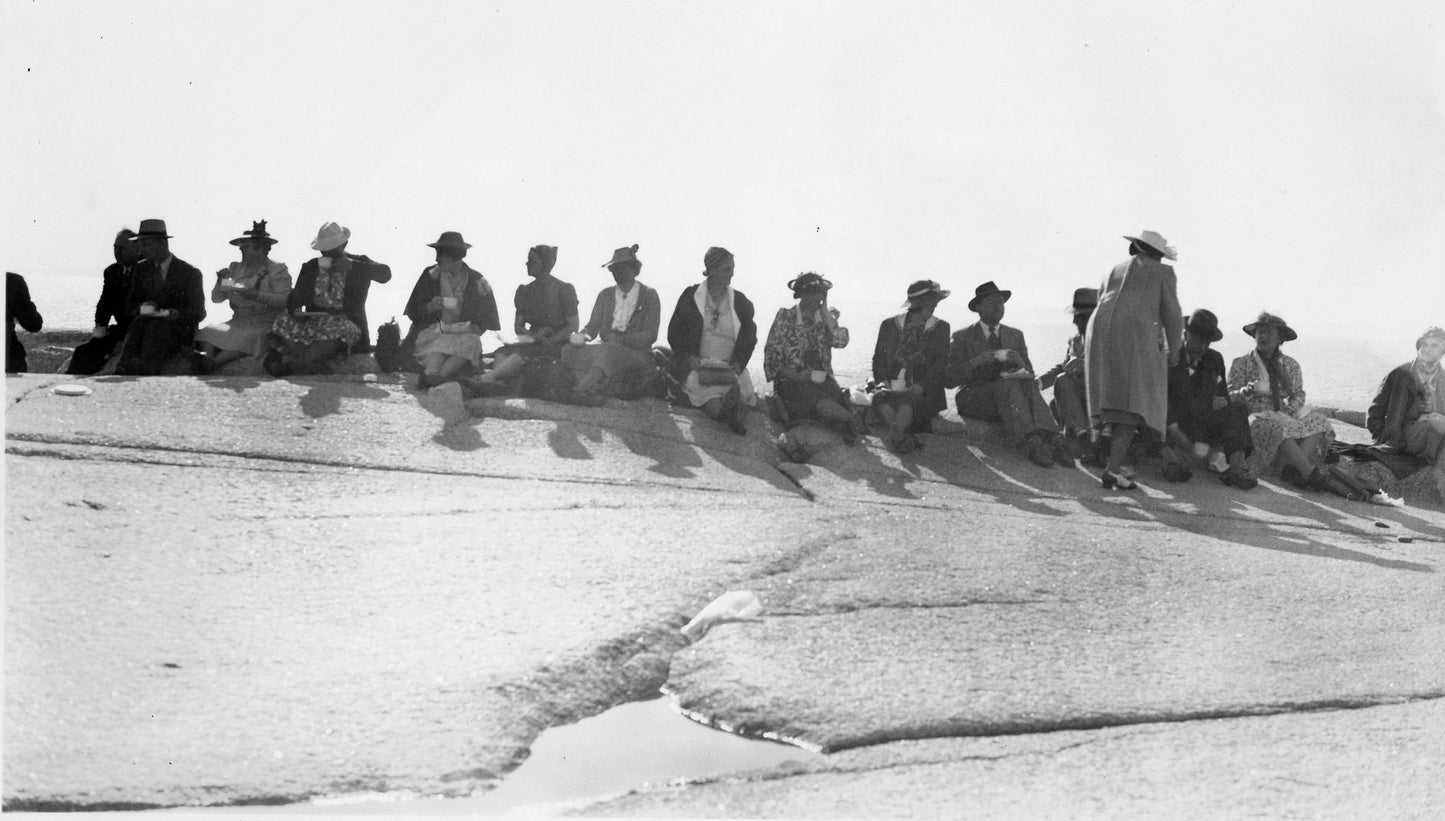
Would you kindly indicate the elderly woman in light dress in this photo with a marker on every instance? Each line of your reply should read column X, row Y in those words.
column 450, row 307
column 712, row 335
column 257, row 288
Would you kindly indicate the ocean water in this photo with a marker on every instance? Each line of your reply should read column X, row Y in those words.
column 1342, row 366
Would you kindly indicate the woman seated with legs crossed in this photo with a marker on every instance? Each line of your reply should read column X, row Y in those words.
column 453, row 306
column 257, row 288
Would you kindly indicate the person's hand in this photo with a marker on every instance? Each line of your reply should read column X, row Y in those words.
column 577, row 338
column 999, row 356
column 737, row 368
column 1220, row 402
column 99, row 332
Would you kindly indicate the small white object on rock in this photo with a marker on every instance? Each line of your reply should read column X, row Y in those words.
column 735, row 605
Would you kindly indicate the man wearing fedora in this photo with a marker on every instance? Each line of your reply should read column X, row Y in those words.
column 90, row 356
column 989, row 362
column 1070, row 405
column 1202, row 422
column 165, row 304
column 1407, row 416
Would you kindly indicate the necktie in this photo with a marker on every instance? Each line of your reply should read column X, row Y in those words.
column 993, row 338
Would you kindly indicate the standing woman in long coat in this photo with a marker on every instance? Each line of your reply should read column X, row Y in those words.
column 1132, row 340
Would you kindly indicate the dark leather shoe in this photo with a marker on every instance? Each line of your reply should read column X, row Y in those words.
column 1234, row 477
column 1175, row 472
column 1039, row 452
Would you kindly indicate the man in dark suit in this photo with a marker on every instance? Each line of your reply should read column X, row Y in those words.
column 18, row 308
column 91, row 355
column 165, row 304
column 990, row 363
column 1202, row 421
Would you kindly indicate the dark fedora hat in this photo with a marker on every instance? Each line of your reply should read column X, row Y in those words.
column 808, row 281
column 152, row 228
column 257, row 235
column 1286, row 333
column 987, row 289
column 450, row 241
column 1085, row 300
column 1204, row 323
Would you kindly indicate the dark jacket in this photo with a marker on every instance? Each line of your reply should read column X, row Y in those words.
column 479, row 304
column 114, row 289
column 972, row 341
column 181, row 290
column 684, row 332
column 929, row 370
column 1191, row 397
column 18, row 308
column 1399, row 402
column 353, row 300
column 641, row 328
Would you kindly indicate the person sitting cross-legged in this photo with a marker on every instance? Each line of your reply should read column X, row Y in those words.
column 990, row 365
column 1202, row 422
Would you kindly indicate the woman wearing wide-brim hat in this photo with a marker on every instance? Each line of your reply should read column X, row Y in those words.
column 798, row 358
column 1283, row 428
column 450, row 308
column 910, row 362
column 257, row 288
column 1133, row 338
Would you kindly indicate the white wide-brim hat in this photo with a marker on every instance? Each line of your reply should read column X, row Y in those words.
column 330, row 237
column 1158, row 243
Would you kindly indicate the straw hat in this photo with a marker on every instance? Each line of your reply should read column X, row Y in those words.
column 1155, row 241
column 330, row 237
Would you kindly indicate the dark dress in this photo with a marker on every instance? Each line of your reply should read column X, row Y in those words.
column 18, row 308
column 1191, row 405
column 359, row 272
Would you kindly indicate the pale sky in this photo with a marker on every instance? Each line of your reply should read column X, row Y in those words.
column 1292, row 151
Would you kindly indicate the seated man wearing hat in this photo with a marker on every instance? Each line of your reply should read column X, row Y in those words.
column 165, row 304
column 990, row 362
column 1408, row 414
column 91, row 355
column 625, row 319
column 325, row 315
column 1202, row 421
column 1070, row 405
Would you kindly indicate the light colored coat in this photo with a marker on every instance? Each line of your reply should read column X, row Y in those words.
column 1129, row 339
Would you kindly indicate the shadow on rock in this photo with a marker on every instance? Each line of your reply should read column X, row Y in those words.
column 324, row 398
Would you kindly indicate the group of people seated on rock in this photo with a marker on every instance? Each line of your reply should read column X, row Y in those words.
column 1138, row 372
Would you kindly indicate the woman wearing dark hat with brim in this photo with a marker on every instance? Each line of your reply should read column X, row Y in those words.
column 257, row 288
column 798, row 358
column 1282, row 427
column 1203, row 423
column 450, row 308
column 910, row 362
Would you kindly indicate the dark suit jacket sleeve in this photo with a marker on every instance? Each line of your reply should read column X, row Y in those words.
column 884, row 348
column 112, row 295
column 300, row 297
column 747, row 330
column 19, row 305
column 194, row 300
column 683, row 333
column 1017, row 344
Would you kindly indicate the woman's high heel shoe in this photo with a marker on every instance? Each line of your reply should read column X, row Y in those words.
column 1118, row 481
